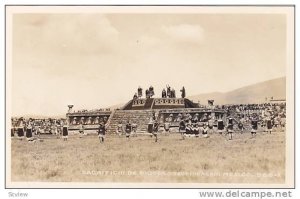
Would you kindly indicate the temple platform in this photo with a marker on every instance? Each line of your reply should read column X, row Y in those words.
column 140, row 111
column 159, row 103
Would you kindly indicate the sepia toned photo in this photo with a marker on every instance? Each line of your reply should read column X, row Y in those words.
column 149, row 96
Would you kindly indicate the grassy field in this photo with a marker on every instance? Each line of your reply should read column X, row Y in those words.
column 195, row 160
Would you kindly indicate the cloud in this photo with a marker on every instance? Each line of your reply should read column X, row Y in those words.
column 65, row 34
column 184, row 33
column 148, row 40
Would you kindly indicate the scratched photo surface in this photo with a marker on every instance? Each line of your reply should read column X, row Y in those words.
column 187, row 98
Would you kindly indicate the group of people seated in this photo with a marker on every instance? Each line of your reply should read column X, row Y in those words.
column 93, row 110
column 88, row 120
column 32, row 129
column 254, row 108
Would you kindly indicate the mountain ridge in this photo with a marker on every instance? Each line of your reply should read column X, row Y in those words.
column 255, row 93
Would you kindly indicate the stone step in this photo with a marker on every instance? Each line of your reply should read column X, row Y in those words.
column 141, row 117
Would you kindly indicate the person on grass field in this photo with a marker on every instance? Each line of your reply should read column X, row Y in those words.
column 210, row 124
column 155, row 129
column 134, row 129
column 101, row 132
column 241, row 124
column 230, row 128
column 167, row 125
column 81, row 130
column 182, row 128
column 65, row 132
column 29, row 132
column 128, row 129
column 119, row 129
column 194, row 125
column 269, row 125
column 21, row 129
column 254, row 124
column 220, row 126
column 205, row 130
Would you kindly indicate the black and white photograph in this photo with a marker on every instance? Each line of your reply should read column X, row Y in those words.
column 150, row 96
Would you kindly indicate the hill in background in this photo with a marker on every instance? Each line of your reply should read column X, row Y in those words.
column 255, row 93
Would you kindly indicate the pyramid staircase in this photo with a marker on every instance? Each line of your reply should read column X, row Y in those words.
column 149, row 103
column 141, row 117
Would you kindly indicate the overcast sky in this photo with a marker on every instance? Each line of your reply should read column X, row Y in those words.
column 95, row 60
